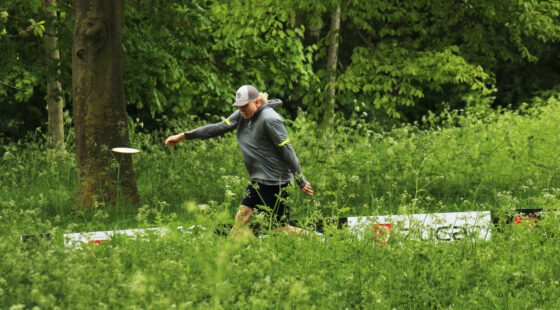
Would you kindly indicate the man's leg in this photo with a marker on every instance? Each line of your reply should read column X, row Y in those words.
column 242, row 217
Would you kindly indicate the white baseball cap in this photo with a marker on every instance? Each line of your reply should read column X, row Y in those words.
column 245, row 94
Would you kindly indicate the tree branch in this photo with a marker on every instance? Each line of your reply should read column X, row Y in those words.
column 366, row 41
column 14, row 87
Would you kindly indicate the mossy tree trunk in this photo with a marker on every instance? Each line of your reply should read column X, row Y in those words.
column 100, row 117
column 54, row 87
column 332, row 59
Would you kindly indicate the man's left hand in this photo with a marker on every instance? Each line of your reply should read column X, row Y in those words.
column 307, row 189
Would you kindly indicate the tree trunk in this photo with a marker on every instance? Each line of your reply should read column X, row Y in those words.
column 100, row 117
column 54, row 88
column 332, row 60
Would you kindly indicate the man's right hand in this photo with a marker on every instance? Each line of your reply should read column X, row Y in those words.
column 172, row 140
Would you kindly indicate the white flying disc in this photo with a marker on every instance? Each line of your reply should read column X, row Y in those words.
column 126, row 150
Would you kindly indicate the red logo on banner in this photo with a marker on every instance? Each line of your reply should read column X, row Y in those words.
column 98, row 242
column 519, row 220
column 526, row 222
column 382, row 231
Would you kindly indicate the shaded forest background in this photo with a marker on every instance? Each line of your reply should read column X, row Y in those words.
column 397, row 61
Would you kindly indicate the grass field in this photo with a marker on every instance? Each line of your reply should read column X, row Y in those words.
column 463, row 161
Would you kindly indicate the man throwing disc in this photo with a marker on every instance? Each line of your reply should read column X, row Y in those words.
column 267, row 153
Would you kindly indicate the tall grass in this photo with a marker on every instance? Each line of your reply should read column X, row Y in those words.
column 458, row 161
column 515, row 270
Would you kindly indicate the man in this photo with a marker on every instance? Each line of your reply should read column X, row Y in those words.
column 267, row 153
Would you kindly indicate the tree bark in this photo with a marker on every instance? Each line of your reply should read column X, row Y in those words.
column 100, row 117
column 332, row 60
column 54, row 87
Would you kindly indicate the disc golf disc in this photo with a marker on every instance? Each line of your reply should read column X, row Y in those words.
column 125, row 150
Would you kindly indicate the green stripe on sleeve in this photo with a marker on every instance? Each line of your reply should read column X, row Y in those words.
column 227, row 122
column 282, row 144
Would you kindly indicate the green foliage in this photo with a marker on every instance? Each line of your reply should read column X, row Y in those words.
column 167, row 58
column 472, row 43
column 535, row 20
column 19, row 35
column 474, row 159
column 403, row 58
column 23, row 64
column 389, row 76
column 189, row 57
column 265, row 46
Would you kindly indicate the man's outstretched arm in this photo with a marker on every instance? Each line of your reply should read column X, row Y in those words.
column 206, row 131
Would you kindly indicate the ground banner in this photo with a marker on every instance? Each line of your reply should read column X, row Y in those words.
column 98, row 237
column 439, row 227
column 434, row 226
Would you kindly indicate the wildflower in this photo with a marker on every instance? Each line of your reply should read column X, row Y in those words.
column 229, row 193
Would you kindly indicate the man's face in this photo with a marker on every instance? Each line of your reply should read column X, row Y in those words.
column 248, row 110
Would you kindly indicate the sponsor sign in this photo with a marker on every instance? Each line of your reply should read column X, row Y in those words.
column 76, row 240
column 100, row 237
column 437, row 226
column 445, row 227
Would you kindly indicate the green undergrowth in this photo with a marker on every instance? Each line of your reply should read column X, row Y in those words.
column 476, row 159
column 517, row 269
column 468, row 160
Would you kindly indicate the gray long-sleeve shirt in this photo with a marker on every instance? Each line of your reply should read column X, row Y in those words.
column 264, row 143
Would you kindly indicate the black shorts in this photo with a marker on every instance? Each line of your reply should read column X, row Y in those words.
column 270, row 199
